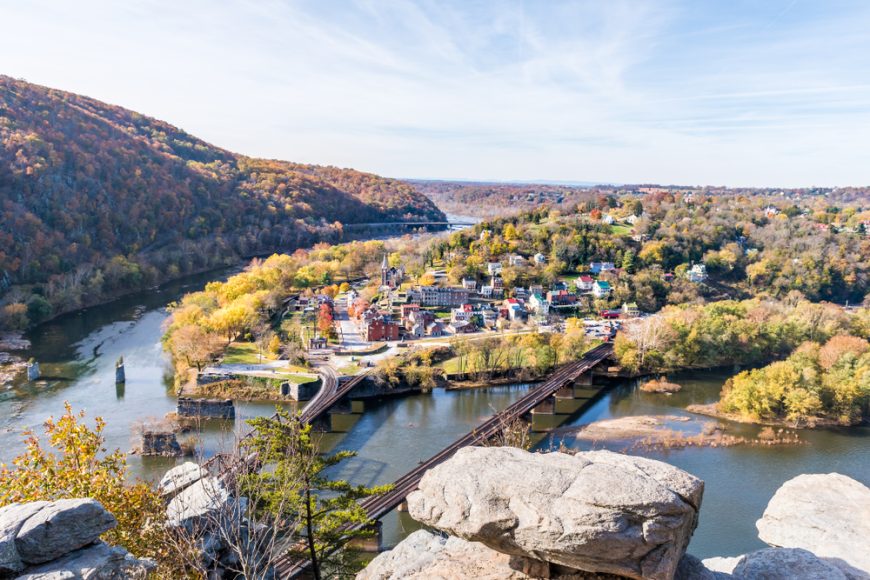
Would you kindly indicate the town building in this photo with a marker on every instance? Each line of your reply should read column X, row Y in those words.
column 630, row 309
column 435, row 328
column 460, row 315
column 515, row 260
column 601, row 289
column 584, row 283
column 599, row 267
column 377, row 326
column 391, row 277
column 515, row 309
column 561, row 298
column 697, row 273
column 462, row 327
column 497, row 286
column 442, row 296
column 407, row 310
column 539, row 305
column 469, row 284
column 493, row 268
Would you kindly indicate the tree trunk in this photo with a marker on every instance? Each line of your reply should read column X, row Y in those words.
column 312, row 551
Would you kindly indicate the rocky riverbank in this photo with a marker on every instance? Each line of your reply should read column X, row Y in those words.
column 503, row 513
column 11, row 365
column 671, row 432
column 712, row 410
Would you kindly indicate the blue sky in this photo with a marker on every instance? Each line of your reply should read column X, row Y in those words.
column 729, row 92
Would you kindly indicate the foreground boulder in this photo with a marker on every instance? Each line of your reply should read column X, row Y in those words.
column 829, row 515
column 59, row 540
column 180, row 477
column 425, row 556
column 776, row 564
column 12, row 517
column 60, row 527
column 597, row 511
column 98, row 561
column 205, row 503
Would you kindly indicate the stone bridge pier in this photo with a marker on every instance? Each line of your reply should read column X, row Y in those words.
column 570, row 399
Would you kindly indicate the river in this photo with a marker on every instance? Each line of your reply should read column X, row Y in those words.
column 77, row 353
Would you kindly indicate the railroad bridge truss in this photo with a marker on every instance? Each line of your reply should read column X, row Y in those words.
column 566, row 392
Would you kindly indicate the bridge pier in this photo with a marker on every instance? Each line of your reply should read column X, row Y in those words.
column 370, row 543
column 345, row 414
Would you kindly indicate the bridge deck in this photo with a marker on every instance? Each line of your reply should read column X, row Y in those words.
column 380, row 505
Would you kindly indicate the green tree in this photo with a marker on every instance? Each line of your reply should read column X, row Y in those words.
column 327, row 511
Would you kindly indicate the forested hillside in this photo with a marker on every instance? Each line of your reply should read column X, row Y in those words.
column 96, row 199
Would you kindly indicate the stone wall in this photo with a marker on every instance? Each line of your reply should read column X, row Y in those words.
column 206, row 408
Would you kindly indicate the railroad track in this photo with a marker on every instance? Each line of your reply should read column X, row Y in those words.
column 378, row 506
column 329, row 394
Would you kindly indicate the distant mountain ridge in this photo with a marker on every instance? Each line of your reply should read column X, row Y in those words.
column 82, row 182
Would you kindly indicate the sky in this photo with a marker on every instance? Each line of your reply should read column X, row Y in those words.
column 718, row 92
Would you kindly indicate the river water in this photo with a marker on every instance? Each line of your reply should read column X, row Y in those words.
column 77, row 355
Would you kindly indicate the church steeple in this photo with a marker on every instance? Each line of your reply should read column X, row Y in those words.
column 385, row 271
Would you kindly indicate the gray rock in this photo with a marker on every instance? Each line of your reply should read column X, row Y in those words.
column 410, row 557
column 785, row 564
column 597, row 511
column 829, row 515
column 427, row 556
column 721, row 564
column 61, row 527
column 97, row 562
column 12, row 517
column 691, row 568
column 201, row 504
column 180, row 477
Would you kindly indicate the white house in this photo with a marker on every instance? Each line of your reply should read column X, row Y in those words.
column 607, row 219
column 469, row 284
column 540, row 258
column 601, row 288
column 460, row 315
column 516, row 260
column 697, row 273
column 584, row 283
column 493, row 268
column 539, row 305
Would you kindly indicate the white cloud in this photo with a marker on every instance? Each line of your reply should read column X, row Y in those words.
column 611, row 91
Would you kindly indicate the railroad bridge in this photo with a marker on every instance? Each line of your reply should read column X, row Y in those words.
column 568, row 390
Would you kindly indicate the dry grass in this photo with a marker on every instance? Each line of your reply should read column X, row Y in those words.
column 660, row 385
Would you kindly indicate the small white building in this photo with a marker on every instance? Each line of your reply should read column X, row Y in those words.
column 469, row 284
column 607, row 219
column 539, row 305
column 697, row 273
column 493, row 268
column 460, row 315
column 540, row 258
column 515, row 260
column 584, row 283
column 601, row 289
